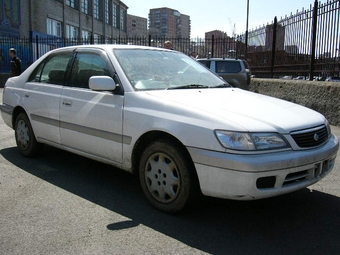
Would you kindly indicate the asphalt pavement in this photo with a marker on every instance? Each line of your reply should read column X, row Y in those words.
column 61, row 203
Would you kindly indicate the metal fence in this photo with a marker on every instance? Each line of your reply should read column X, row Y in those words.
column 30, row 49
column 305, row 44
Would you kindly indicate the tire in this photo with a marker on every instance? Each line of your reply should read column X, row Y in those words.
column 25, row 138
column 167, row 177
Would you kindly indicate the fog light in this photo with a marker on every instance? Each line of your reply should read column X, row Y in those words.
column 266, row 182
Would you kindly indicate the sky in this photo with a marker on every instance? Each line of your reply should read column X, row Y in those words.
column 224, row 15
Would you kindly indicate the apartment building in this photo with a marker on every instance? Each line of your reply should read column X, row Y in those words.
column 170, row 23
column 280, row 37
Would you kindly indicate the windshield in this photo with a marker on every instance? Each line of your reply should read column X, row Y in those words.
column 149, row 69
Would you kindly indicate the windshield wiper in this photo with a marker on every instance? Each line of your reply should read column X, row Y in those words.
column 190, row 86
column 224, row 85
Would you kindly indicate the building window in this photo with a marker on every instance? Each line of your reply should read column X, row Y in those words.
column 122, row 20
column 85, row 6
column 114, row 15
column 71, row 3
column 85, row 34
column 53, row 27
column 107, row 12
column 97, row 39
column 72, row 32
column 96, row 9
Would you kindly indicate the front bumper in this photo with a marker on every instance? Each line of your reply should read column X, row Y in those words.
column 247, row 177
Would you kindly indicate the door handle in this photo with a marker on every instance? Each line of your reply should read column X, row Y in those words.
column 67, row 103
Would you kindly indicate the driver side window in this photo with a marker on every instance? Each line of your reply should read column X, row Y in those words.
column 86, row 65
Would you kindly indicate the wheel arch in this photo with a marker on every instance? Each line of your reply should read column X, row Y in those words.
column 150, row 137
column 17, row 110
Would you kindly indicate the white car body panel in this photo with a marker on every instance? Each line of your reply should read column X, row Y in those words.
column 236, row 108
column 91, row 122
column 43, row 101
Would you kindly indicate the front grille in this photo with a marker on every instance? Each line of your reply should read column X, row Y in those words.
column 310, row 137
column 318, row 170
column 296, row 177
column 310, row 174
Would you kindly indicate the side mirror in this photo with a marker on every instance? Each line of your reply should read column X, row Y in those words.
column 102, row 83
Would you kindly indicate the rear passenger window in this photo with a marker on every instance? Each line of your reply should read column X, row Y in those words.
column 87, row 65
column 52, row 70
column 228, row 67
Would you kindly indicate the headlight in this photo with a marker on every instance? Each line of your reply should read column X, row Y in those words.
column 250, row 141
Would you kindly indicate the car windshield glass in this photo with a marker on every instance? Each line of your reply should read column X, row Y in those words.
column 150, row 69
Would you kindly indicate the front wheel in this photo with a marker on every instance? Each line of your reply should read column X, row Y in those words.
column 25, row 138
column 167, row 177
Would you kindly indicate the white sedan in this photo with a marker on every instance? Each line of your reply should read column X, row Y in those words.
column 160, row 114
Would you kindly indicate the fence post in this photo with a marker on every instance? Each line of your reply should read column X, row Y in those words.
column 273, row 48
column 314, row 29
column 149, row 40
column 212, row 46
column 37, row 46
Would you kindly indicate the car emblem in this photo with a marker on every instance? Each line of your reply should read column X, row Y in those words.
column 316, row 137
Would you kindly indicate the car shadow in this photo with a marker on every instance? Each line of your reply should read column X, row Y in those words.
column 304, row 222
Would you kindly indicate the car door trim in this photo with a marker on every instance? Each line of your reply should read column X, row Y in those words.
column 85, row 130
column 45, row 120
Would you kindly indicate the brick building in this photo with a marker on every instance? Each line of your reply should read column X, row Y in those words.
column 137, row 26
column 170, row 23
column 280, row 37
column 223, row 45
column 184, row 26
column 63, row 18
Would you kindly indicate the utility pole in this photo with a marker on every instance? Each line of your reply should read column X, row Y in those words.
column 246, row 52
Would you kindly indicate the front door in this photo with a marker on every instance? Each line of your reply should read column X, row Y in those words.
column 91, row 121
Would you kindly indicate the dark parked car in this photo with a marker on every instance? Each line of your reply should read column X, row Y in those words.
column 235, row 71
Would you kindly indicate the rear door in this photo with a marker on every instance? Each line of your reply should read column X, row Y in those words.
column 91, row 121
column 42, row 96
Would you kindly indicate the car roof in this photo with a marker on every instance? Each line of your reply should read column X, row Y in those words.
column 219, row 59
column 109, row 47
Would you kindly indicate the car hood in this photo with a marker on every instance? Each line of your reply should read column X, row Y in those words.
column 242, row 110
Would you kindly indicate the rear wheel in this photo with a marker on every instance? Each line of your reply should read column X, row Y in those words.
column 167, row 177
column 25, row 138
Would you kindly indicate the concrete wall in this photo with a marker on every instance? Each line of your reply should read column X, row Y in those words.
column 322, row 96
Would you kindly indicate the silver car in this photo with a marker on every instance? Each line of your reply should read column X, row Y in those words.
column 161, row 115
